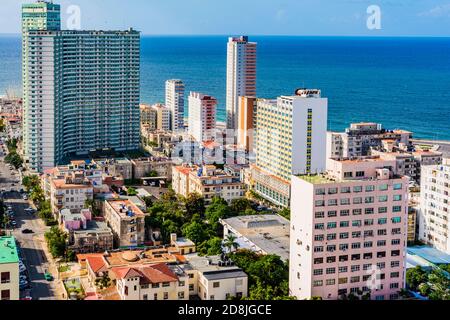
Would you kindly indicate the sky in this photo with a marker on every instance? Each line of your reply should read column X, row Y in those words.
column 252, row 17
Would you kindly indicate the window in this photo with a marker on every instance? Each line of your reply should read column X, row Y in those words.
column 356, row 257
column 318, row 249
column 145, row 297
column 320, row 203
column 332, row 202
column 397, row 209
column 332, row 214
column 395, row 253
column 355, row 268
column 319, row 237
column 331, row 282
column 331, row 248
column 191, row 287
column 5, row 277
column 368, row 222
column 357, row 212
column 367, row 266
column 394, row 286
column 216, row 284
column 358, row 189
column 356, row 245
column 395, row 264
column 181, row 283
column 398, row 197
column 331, row 236
column 166, row 295
column 318, row 260
column 360, row 173
column 398, row 186
column 383, row 198
column 345, row 213
column 331, row 270
column 155, row 285
column 318, row 272
column 343, row 258
column 318, row 283
column 346, row 190
column 343, row 269
column 332, row 190
column 355, row 279
column 320, row 215
column 369, row 211
column 356, row 223
column 320, row 192
column 343, row 235
column 395, row 274
column 368, row 244
column 343, row 280
column 6, row 295
column 370, row 188
column 319, row 226
column 357, row 200
column 155, row 296
column 344, row 224
column 383, row 187
column 396, row 220
column 345, row 202
column 331, row 259
column 332, row 225
column 382, row 210
column 381, row 265
column 181, row 295
column 381, row 243
column 343, row 247
column 166, row 284
column 382, row 221
column 369, row 200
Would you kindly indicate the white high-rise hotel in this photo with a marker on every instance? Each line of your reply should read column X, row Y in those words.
column 80, row 89
column 175, row 103
column 241, row 75
column 202, row 117
column 290, row 138
column 434, row 214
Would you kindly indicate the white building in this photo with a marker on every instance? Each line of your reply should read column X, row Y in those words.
column 241, row 75
column 434, row 214
column 290, row 138
column 202, row 116
column 175, row 103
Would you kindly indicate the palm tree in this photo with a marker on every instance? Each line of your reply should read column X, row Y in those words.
column 230, row 243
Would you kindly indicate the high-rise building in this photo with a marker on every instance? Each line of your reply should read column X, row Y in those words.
column 247, row 123
column 202, row 117
column 175, row 103
column 434, row 213
column 290, row 138
column 349, row 231
column 81, row 89
column 162, row 117
column 241, row 75
column 149, row 116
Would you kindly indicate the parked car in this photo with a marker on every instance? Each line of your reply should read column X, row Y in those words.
column 48, row 276
column 27, row 231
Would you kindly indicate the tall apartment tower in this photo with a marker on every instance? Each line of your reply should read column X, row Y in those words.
column 241, row 75
column 434, row 213
column 202, row 117
column 247, row 123
column 81, row 89
column 175, row 103
column 349, row 231
column 290, row 138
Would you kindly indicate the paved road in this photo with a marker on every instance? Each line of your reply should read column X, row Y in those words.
column 31, row 245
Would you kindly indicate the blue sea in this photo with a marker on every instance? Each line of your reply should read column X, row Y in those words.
column 400, row 82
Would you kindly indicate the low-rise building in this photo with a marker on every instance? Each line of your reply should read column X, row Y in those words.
column 215, row 279
column 126, row 221
column 265, row 234
column 86, row 235
column 182, row 245
column 9, row 269
column 70, row 192
column 151, row 282
column 208, row 181
column 116, row 167
column 143, row 167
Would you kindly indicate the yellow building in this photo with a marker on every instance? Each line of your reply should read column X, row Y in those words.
column 9, row 269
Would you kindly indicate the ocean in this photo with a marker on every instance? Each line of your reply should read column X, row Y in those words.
column 399, row 82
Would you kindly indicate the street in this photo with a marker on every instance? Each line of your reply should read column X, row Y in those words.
column 31, row 245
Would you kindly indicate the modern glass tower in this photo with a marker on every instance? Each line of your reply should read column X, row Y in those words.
column 81, row 89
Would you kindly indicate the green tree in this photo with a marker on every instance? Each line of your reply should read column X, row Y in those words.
column 14, row 159
column 211, row 247
column 218, row 209
column 414, row 277
column 230, row 243
column 440, row 285
column 56, row 242
column 239, row 206
column 196, row 230
column 148, row 201
column 285, row 213
column 194, row 204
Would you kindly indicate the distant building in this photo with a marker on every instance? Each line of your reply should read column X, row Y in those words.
column 202, row 117
column 434, row 228
column 207, row 181
column 149, row 117
column 9, row 269
column 161, row 166
column 241, row 75
column 291, row 137
column 265, row 234
column 182, row 245
column 247, row 123
column 86, row 235
column 126, row 221
column 175, row 103
column 68, row 109
column 349, row 231
column 116, row 167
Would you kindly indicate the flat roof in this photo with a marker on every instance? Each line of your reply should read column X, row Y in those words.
column 270, row 233
column 218, row 275
column 8, row 250
column 430, row 254
column 117, row 204
column 208, row 264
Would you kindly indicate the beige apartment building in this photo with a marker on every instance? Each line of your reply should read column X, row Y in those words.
column 9, row 269
column 126, row 221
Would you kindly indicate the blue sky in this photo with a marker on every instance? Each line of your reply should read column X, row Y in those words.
column 252, row 17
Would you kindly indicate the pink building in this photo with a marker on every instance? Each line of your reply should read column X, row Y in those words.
column 349, row 231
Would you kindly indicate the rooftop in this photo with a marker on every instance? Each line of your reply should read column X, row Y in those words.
column 123, row 207
column 209, row 264
column 429, row 254
column 270, row 233
column 8, row 250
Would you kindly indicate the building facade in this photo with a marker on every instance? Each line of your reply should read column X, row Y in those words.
column 291, row 138
column 247, row 123
column 126, row 221
column 202, row 116
column 241, row 75
column 349, row 231
column 175, row 103
column 434, row 213
column 81, row 89
column 9, row 269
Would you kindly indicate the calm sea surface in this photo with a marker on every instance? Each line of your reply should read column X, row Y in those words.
column 400, row 82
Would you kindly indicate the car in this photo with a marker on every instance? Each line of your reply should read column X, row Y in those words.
column 13, row 223
column 27, row 298
column 48, row 276
column 25, row 197
column 27, row 231
column 23, row 277
column 22, row 268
